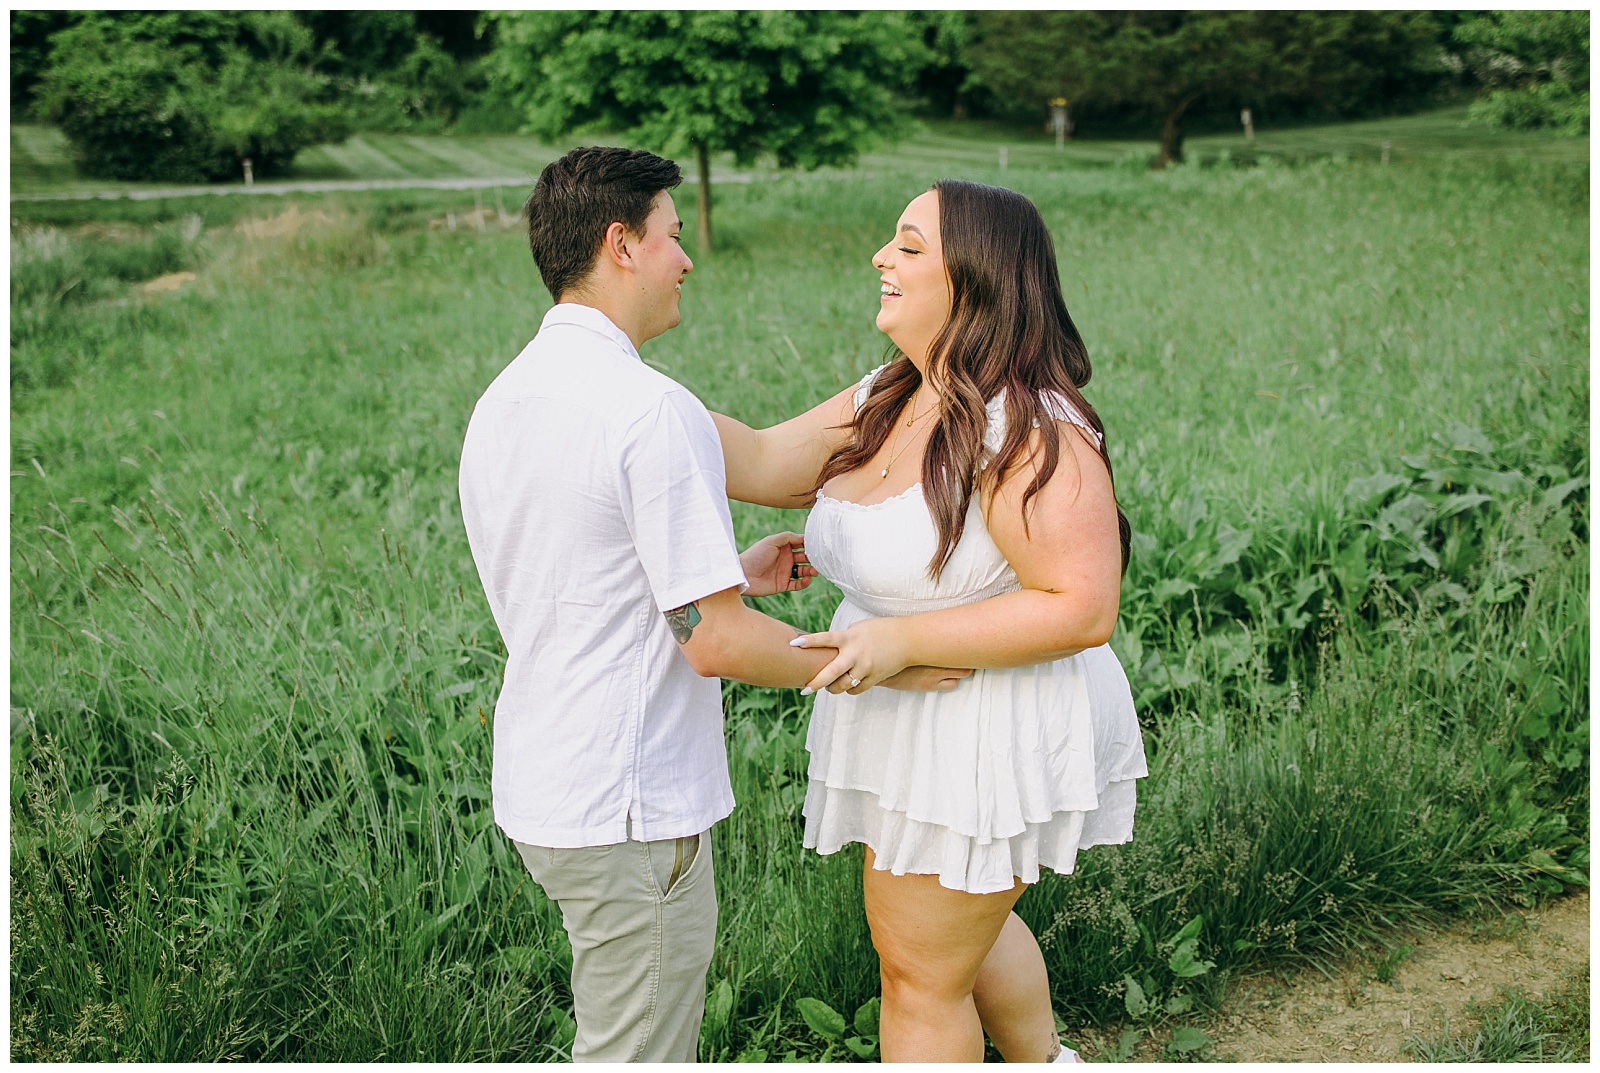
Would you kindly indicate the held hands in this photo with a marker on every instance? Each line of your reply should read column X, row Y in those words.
column 777, row 563
column 871, row 653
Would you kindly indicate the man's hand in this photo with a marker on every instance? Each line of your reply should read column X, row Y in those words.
column 926, row 679
column 777, row 564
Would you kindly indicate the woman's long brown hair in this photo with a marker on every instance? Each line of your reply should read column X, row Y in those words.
column 1008, row 330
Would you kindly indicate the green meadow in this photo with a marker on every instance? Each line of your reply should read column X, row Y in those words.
column 1348, row 407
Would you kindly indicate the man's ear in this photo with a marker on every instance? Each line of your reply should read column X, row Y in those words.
column 616, row 245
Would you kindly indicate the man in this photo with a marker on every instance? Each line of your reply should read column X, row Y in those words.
column 594, row 496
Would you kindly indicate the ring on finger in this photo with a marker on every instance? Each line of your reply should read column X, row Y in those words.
column 854, row 682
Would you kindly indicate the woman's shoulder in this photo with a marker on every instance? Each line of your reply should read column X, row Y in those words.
column 1057, row 405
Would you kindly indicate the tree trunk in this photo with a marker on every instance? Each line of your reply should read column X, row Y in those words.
column 1172, row 135
column 703, row 220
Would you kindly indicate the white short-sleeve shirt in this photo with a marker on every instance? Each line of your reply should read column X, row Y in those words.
column 595, row 499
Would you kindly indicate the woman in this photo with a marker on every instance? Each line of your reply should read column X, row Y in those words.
column 964, row 505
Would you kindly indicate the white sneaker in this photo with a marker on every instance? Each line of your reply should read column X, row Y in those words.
column 1067, row 1055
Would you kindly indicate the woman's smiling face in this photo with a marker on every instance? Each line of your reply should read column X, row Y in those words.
column 915, row 299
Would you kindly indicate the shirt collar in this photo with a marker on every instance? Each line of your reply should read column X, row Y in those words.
column 589, row 317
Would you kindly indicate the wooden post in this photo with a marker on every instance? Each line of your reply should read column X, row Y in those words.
column 1060, row 121
column 703, row 217
column 1002, row 158
column 1386, row 152
column 1249, row 124
column 249, row 179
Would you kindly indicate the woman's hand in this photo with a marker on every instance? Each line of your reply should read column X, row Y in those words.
column 870, row 652
column 777, row 563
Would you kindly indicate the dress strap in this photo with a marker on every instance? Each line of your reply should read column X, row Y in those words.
column 1056, row 405
column 864, row 388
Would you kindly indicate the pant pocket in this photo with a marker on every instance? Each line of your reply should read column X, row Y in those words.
column 670, row 859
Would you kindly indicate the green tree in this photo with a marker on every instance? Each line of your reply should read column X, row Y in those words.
column 1167, row 63
column 812, row 88
column 400, row 70
column 31, row 32
column 1534, row 66
column 186, row 95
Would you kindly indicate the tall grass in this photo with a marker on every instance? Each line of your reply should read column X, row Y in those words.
column 251, row 662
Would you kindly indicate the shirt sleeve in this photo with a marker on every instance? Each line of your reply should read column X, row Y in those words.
column 674, row 491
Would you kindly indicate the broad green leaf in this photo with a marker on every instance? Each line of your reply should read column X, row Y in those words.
column 1179, row 1004
column 1363, row 490
column 1455, row 504
column 1167, row 588
column 1133, row 999
column 719, row 1005
column 1231, row 543
column 1188, row 931
column 824, row 1020
column 1187, row 1039
column 866, row 1019
column 1553, row 497
column 865, row 1049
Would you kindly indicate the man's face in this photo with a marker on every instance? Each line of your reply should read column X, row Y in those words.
column 659, row 267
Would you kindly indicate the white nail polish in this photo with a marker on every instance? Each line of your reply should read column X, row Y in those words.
column 806, row 692
column 797, row 642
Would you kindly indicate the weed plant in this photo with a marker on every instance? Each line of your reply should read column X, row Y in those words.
column 1516, row 1028
column 252, row 667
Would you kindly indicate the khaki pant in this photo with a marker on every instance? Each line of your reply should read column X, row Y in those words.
column 642, row 918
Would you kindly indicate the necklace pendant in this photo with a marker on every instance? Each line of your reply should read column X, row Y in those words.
column 885, row 472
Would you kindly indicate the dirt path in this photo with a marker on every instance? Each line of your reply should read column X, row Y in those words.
column 1356, row 1018
column 327, row 186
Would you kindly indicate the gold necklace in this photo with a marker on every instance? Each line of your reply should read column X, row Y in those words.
column 895, row 456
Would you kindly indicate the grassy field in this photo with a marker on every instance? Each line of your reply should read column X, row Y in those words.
column 1348, row 406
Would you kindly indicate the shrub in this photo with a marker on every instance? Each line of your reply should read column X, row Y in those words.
column 186, row 96
column 1534, row 66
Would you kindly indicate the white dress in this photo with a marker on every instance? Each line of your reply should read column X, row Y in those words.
column 1013, row 769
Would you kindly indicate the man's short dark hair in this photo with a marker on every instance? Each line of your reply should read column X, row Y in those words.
column 582, row 194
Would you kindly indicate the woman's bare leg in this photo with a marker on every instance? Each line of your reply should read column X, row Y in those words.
column 931, row 943
column 1012, row 995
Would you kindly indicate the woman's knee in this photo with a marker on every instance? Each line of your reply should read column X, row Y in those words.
column 919, row 993
column 911, row 975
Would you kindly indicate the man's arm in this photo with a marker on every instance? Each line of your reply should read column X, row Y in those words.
column 721, row 637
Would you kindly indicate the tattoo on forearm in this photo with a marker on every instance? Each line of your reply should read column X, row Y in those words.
column 682, row 621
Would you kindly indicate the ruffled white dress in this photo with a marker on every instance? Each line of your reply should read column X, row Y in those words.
column 1013, row 769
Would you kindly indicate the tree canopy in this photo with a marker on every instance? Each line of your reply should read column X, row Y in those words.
column 1534, row 65
column 1168, row 62
column 811, row 88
